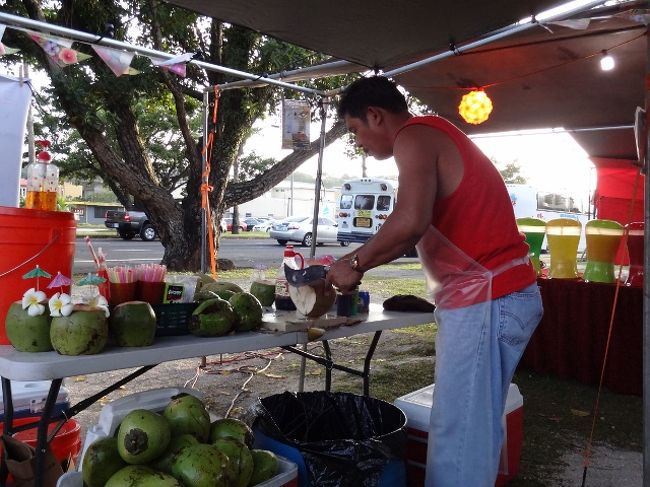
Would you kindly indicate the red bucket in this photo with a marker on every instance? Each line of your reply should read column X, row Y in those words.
column 66, row 443
column 28, row 238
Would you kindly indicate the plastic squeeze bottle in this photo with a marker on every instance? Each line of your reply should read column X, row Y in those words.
column 42, row 182
column 295, row 261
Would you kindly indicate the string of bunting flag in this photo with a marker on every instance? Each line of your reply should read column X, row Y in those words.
column 61, row 52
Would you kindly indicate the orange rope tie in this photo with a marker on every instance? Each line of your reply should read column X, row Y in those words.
column 587, row 453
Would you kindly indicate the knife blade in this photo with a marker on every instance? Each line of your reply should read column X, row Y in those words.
column 302, row 277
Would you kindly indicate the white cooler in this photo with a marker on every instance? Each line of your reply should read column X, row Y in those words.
column 417, row 408
column 29, row 398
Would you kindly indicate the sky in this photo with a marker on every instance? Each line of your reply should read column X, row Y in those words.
column 549, row 160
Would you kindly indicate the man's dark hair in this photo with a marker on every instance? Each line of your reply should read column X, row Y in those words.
column 376, row 91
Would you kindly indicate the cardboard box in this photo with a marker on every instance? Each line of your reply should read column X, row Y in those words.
column 417, row 408
column 29, row 398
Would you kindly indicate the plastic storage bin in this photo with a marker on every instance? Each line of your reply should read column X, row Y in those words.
column 286, row 477
column 417, row 407
column 29, row 398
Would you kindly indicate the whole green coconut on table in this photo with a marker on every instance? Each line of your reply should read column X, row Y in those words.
column 240, row 460
column 84, row 332
column 133, row 324
column 187, row 414
column 264, row 290
column 100, row 462
column 201, row 466
column 27, row 333
column 220, row 289
column 141, row 476
column 214, row 317
column 249, row 311
column 265, row 466
column 142, row 436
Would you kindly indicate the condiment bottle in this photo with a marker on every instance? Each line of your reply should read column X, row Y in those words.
column 294, row 260
column 42, row 182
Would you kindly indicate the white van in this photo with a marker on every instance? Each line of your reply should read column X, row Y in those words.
column 363, row 207
column 527, row 201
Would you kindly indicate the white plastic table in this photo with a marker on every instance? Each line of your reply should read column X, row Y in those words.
column 23, row 366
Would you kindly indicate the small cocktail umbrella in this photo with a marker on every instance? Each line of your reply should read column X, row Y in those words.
column 59, row 281
column 37, row 273
column 91, row 280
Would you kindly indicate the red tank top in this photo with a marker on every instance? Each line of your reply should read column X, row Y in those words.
column 478, row 216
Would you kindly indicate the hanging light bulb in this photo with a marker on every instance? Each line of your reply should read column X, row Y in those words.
column 607, row 62
column 475, row 107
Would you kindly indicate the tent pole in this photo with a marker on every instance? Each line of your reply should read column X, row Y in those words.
column 543, row 17
column 25, row 23
column 204, row 163
column 646, row 280
column 319, row 175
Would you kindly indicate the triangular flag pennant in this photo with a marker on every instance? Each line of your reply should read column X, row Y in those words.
column 176, row 65
column 118, row 61
column 59, row 50
column 4, row 49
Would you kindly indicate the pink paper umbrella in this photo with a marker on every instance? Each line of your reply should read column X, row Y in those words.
column 59, row 281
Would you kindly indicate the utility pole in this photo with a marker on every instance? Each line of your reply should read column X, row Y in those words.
column 363, row 165
column 31, row 149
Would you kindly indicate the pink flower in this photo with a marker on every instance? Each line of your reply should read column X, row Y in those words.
column 68, row 56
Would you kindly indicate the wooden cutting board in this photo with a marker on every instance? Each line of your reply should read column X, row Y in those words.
column 284, row 322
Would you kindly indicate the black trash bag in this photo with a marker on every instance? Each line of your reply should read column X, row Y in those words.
column 345, row 439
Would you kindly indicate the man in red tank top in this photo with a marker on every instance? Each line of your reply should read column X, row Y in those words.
column 452, row 204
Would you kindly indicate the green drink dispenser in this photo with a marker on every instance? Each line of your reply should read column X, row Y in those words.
column 534, row 229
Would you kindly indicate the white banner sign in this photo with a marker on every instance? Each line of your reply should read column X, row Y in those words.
column 296, row 118
column 14, row 103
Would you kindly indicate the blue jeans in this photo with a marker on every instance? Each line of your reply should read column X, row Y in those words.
column 477, row 350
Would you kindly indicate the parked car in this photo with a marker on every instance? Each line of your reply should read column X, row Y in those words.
column 299, row 229
column 130, row 223
column 250, row 222
column 226, row 225
column 265, row 226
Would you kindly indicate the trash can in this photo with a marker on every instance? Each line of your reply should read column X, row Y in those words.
column 336, row 439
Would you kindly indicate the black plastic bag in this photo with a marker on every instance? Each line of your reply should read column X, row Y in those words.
column 345, row 439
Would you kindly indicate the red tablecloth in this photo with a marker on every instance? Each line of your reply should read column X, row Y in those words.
column 570, row 340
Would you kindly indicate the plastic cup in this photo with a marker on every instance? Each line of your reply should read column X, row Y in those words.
column 151, row 292
column 121, row 292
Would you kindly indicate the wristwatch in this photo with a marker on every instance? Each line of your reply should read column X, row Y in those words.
column 354, row 263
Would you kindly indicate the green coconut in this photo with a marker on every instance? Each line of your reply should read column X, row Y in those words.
column 100, row 462
column 240, row 460
column 186, row 413
column 231, row 428
column 141, row 476
column 214, row 317
column 249, row 311
column 201, row 466
column 28, row 333
column 142, row 436
column 164, row 462
column 84, row 332
column 133, row 324
column 221, row 289
column 264, row 290
column 265, row 466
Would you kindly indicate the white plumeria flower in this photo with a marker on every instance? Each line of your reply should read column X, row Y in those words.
column 60, row 305
column 100, row 301
column 32, row 300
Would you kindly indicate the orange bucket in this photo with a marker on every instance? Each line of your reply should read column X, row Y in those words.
column 66, row 443
column 27, row 238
